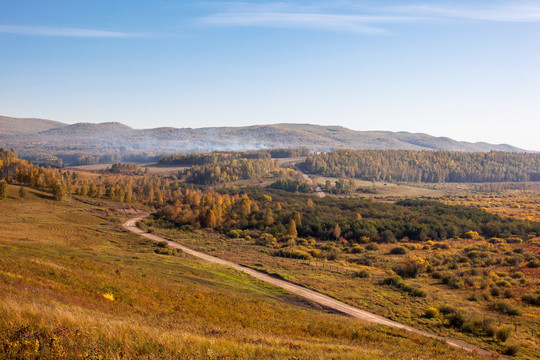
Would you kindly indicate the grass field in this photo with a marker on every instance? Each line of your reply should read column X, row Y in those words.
column 475, row 289
column 74, row 285
column 524, row 205
column 460, row 193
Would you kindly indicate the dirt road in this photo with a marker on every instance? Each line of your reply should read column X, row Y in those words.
column 131, row 225
column 320, row 193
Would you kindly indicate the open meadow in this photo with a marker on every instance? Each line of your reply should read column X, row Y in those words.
column 467, row 287
column 74, row 285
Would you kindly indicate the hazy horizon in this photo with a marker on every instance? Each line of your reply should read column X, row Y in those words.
column 459, row 69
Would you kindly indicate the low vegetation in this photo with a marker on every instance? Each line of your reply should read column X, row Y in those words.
column 72, row 285
column 459, row 271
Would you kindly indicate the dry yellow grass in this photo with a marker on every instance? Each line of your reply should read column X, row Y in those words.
column 60, row 262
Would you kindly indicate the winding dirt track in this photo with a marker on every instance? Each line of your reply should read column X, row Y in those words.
column 131, row 225
column 318, row 191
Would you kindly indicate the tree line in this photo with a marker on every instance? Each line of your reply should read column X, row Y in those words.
column 425, row 166
column 220, row 156
column 230, row 170
column 264, row 210
column 355, row 220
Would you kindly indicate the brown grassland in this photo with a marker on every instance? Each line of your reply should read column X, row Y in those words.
column 483, row 281
column 74, row 285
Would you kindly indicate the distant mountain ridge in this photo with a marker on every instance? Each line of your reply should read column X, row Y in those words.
column 11, row 126
column 31, row 134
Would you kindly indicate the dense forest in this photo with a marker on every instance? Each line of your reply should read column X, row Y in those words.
column 210, row 158
column 54, row 158
column 144, row 188
column 270, row 211
column 292, row 183
column 230, row 170
column 220, row 156
column 358, row 221
column 425, row 166
column 126, row 183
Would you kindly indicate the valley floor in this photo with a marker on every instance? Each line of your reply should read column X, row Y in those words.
column 74, row 285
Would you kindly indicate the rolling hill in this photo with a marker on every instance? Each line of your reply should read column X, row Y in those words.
column 13, row 126
column 35, row 138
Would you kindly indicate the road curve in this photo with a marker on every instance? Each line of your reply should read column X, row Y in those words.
column 131, row 225
column 318, row 191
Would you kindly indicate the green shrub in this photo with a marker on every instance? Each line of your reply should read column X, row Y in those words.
column 468, row 327
column 235, row 234
column 418, row 292
column 532, row 299
column 314, row 252
column 495, row 291
column 511, row 350
column 410, row 268
column 294, row 253
column 533, row 264
column 456, row 283
column 361, row 274
column 431, row 313
column 503, row 333
column 490, row 329
column 513, row 260
column 509, row 294
column 165, row 251
column 163, row 244
column 457, row 319
column 399, row 250
column 392, row 280
column 266, row 239
column 447, row 309
column 505, row 308
column 442, row 246
column 372, row 247
column 471, row 235
column 518, row 275
column 514, row 240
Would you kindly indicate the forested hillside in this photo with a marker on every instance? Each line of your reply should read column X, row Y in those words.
column 425, row 166
column 56, row 144
column 217, row 156
column 359, row 221
column 469, row 250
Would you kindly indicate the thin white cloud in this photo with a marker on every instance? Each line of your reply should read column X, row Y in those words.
column 334, row 22
column 507, row 12
column 64, row 32
column 348, row 17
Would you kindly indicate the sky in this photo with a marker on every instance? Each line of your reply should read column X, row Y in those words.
column 469, row 70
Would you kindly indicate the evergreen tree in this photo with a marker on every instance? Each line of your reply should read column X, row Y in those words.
column 3, row 189
column 291, row 229
column 337, row 231
column 268, row 218
column 210, row 219
column 22, row 192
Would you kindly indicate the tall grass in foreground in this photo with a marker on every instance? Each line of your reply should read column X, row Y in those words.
column 74, row 286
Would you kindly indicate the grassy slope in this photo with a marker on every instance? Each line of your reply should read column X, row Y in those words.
column 62, row 265
column 368, row 294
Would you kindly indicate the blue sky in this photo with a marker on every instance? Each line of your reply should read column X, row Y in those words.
column 469, row 70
